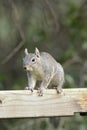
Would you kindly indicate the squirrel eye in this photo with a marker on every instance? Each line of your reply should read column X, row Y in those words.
column 33, row 60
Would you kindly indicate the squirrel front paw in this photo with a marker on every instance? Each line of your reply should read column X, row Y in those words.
column 40, row 92
column 28, row 88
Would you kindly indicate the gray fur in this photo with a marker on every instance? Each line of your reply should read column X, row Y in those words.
column 43, row 67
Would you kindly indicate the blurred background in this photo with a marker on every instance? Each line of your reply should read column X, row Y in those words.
column 56, row 26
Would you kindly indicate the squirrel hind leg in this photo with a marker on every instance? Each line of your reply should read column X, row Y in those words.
column 59, row 89
column 60, row 84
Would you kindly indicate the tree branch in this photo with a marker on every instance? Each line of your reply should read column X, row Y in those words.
column 16, row 21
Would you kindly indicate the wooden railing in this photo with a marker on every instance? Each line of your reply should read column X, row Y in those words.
column 21, row 103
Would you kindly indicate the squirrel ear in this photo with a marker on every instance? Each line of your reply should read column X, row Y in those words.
column 26, row 51
column 37, row 53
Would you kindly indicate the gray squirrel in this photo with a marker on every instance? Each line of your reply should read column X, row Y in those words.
column 41, row 66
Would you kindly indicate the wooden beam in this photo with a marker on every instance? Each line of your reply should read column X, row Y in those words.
column 21, row 103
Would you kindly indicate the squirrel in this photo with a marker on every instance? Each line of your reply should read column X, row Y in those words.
column 41, row 66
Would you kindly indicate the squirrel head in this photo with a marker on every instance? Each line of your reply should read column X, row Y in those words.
column 31, row 60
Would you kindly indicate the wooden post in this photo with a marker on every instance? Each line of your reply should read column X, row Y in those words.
column 21, row 103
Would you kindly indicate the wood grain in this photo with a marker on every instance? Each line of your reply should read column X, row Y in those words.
column 21, row 103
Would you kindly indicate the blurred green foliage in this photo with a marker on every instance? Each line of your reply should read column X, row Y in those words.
column 58, row 27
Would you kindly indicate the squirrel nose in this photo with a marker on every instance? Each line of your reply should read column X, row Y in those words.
column 25, row 68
